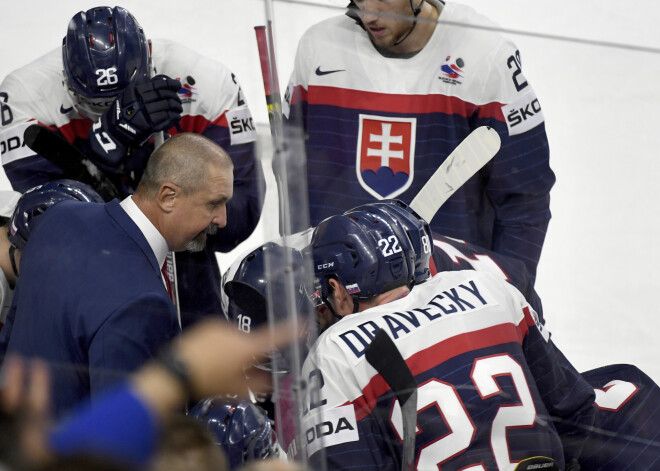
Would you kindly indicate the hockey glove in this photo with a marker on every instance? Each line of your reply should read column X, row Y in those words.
column 140, row 110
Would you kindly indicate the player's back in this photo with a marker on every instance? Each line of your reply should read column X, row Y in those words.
column 467, row 338
column 450, row 254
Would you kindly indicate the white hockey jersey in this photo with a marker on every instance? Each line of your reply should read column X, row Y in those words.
column 212, row 99
column 490, row 382
column 378, row 127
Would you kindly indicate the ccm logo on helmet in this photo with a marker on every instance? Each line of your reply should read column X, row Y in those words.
column 324, row 266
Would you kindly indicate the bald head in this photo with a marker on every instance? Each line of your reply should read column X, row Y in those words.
column 184, row 160
column 185, row 189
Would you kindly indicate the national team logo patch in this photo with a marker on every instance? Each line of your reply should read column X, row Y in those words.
column 385, row 155
column 187, row 91
column 452, row 70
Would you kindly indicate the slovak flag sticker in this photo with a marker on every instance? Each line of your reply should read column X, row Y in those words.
column 385, row 155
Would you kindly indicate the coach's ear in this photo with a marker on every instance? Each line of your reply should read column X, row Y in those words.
column 167, row 195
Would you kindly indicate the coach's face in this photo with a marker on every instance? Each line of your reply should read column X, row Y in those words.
column 202, row 212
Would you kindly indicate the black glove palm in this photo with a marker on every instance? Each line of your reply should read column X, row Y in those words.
column 140, row 110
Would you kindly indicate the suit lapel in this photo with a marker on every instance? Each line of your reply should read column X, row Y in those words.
column 126, row 223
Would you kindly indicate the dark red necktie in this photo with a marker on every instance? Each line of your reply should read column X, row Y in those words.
column 168, row 283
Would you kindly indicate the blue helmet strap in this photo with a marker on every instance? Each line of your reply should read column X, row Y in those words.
column 330, row 307
column 356, row 303
column 12, row 258
column 416, row 11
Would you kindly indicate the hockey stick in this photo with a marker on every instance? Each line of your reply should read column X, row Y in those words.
column 75, row 165
column 466, row 160
column 269, row 73
column 383, row 355
column 159, row 137
column 286, row 155
column 537, row 462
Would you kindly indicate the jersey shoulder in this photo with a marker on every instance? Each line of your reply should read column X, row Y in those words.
column 36, row 91
column 486, row 54
column 209, row 87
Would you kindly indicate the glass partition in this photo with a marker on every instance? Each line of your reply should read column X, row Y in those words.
column 343, row 105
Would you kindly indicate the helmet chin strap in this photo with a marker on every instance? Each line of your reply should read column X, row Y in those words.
column 416, row 11
column 356, row 306
column 12, row 258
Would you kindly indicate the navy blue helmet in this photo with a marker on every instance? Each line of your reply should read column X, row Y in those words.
column 256, row 277
column 240, row 427
column 416, row 228
column 367, row 252
column 35, row 201
column 103, row 51
column 268, row 271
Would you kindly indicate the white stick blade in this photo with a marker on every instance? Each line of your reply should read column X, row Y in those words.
column 466, row 160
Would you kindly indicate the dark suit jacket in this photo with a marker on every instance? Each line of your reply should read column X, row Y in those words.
column 90, row 300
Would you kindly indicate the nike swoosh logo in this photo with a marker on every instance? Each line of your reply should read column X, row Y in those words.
column 65, row 111
column 320, row 72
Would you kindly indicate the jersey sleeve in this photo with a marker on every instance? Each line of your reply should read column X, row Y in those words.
column 334, row 430
column 519, row 178
column 30, row 95
column 625, row 434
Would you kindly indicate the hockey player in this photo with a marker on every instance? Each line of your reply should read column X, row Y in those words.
column 493, row 389
column 107, row 90
column 247, row 280
column 386, row 93
column 251, row 284
column 448, row 254
column 623, row 433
